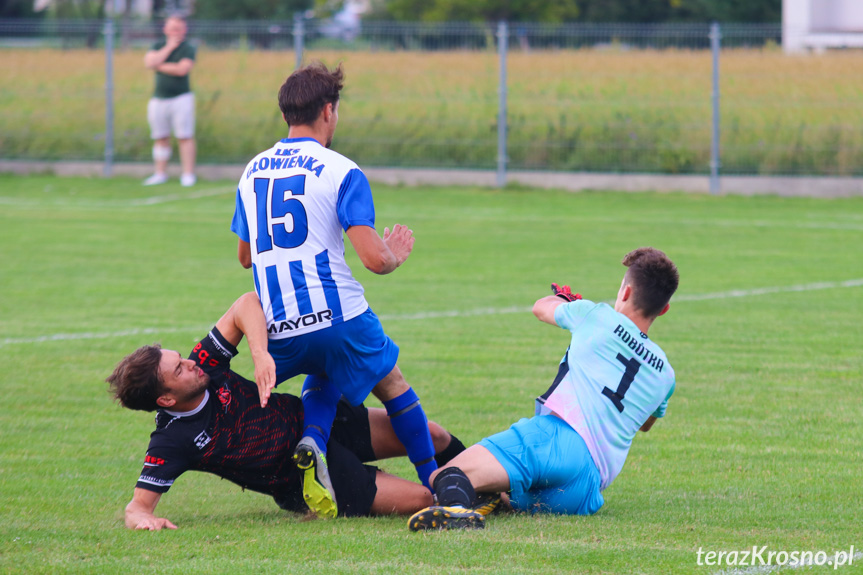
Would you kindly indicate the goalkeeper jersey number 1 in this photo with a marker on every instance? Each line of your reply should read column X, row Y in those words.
column 612, row 379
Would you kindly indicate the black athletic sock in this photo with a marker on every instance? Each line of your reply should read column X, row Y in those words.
column 454, row 448
column 453, row 488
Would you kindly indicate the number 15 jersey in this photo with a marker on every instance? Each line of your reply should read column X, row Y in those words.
column 293, row 202
column 611, row 380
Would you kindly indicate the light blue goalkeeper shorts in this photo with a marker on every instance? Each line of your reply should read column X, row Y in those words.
column 549, row 466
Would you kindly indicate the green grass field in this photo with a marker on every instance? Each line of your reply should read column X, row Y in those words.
column 761, row 446
column 569, row 110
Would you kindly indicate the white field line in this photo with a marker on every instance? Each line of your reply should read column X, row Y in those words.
column 180, row 197
column 116, row 203
column 815, row 225
column 762, row 569
column 768, row 290
column 437, row 314
column 97, row 335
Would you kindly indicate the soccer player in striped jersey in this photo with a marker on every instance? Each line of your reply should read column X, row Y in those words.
column 612, row 382
column 209, row 418
column 294, row 200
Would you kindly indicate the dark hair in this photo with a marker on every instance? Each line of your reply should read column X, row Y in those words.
column 654, row 279
column 305, row 93
column 136, row 382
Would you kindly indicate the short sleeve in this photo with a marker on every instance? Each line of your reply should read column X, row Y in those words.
column 163, row 464
column 240, row 225
column 660, row 411
column 571, row 314
column 355, row 206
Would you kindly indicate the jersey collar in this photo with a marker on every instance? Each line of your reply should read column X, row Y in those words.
column 296, row 140
column 192, row 412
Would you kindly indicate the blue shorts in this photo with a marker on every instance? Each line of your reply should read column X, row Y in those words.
column 354, row 355
column 550, row 469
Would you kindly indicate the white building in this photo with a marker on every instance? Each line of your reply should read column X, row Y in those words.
column 821, row 24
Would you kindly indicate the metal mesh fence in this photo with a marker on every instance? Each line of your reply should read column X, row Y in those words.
column 580, row 97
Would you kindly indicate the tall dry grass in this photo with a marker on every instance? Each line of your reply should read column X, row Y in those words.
column 591, row 109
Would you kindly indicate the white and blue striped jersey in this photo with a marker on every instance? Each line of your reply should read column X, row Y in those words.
column 611, row 380
column 293, row 201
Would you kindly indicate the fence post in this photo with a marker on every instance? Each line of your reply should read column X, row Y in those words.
column 502, row 42
column 715, row 36
column 109, row 96
column 299, row 38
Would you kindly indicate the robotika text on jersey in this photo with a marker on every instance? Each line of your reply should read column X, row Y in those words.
column 286, row 159
column 638, row 348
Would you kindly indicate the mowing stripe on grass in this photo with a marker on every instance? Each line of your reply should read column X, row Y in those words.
column 439, row 314
column 849, row 222
column 454, row 313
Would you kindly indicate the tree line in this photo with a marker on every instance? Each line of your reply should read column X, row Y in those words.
column 557, row 11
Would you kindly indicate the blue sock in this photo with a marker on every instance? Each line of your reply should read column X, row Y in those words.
column 411, row 426
column 320, row 397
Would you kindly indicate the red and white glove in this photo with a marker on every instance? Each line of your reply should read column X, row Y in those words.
column 564, row 292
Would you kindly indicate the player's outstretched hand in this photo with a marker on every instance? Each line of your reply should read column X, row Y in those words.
column 154, row 524
column 400, row 242
column 265, row 375
column 564, row 292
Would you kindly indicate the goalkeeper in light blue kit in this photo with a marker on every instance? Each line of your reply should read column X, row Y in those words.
column 612, row 381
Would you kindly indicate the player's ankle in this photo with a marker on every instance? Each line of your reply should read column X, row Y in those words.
column 314, row 434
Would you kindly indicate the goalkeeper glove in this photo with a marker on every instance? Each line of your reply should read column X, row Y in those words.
column 564, row 292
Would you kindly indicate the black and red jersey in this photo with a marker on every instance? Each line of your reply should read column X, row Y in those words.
column 228, row 434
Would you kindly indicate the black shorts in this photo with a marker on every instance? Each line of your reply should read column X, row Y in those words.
column 350, row 445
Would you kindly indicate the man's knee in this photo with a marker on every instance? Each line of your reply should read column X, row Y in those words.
column 161, row 151
column 440, row 437
column 391, row 386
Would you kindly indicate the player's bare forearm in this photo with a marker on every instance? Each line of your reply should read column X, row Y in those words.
column 648, row 424
column 244, row 253
column 153, row 58
column 381, row 256
column 544, row 308
column 139, row 512
column 228, row 326
column 181, row 68
column 249, row 319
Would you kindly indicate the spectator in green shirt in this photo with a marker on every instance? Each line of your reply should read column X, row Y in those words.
column 172, row 107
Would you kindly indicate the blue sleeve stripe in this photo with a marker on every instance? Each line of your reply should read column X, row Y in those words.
column 240, row 225
column 355, row 205
column 301, row 290
column 275, row 293
column 331, row 290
